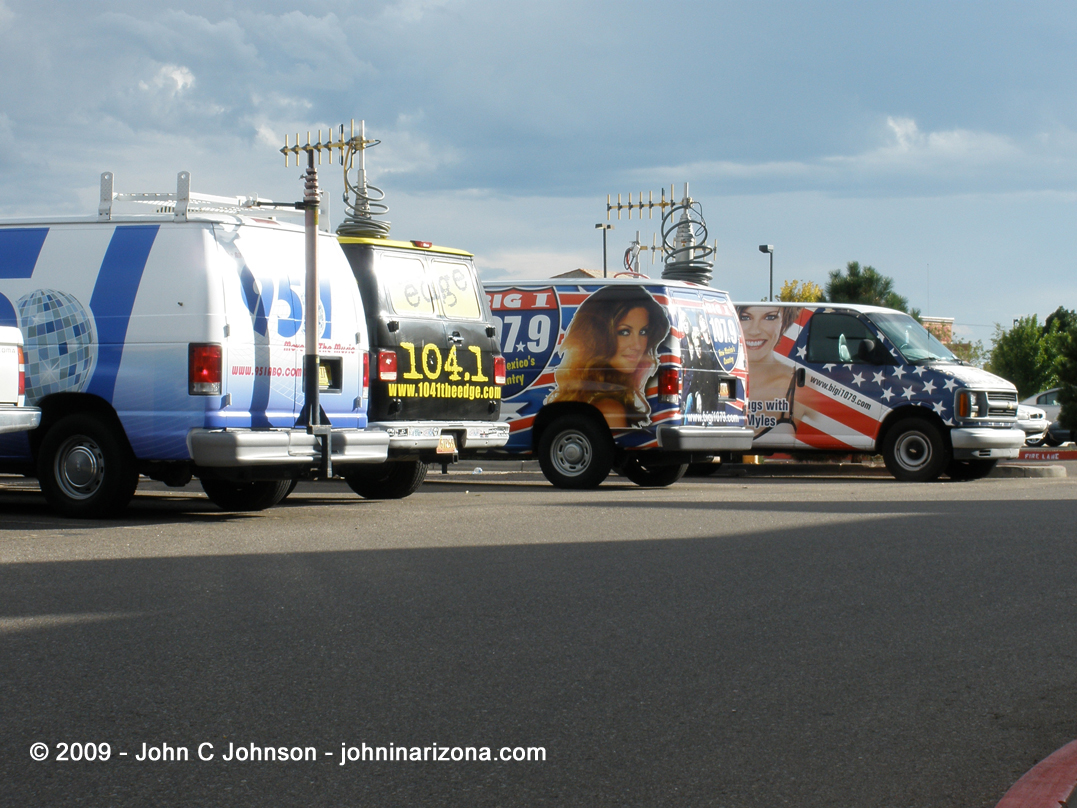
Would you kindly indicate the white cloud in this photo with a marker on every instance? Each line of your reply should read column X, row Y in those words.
column 172, row 79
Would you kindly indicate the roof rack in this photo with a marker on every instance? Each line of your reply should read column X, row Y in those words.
column 182, row 203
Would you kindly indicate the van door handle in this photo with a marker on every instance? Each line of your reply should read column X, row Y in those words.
column 455, row 338
column 800, row 377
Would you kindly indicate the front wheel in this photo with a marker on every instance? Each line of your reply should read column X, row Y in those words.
column 393, row 480
column 85, row 468
column 575, row 452
column 970, row 469
column 652, row 476
column 251, row 496
column 914, row 451
column 1051, row 441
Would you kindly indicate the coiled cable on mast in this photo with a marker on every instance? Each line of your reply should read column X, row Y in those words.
column 359, row 221
column 684, row 243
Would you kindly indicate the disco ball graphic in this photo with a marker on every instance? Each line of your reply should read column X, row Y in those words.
column 58, row 335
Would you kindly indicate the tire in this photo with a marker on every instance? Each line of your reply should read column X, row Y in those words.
column 1051, row 441
column 576, row 452
column 85, row 468
column 914, row 451
column 253, row 496
column 1035, row 440
column 970, row 469
column 291, row 488
column 651, row 476
column 392, row 480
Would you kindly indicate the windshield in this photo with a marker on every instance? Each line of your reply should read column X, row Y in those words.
column 915, row 342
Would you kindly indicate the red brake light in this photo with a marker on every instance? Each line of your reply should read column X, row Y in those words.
column 387, row 366
column 499, row 370
column 426, row 245
column 366, row 372
column 22, row 372
column 669, row 382
column 204, row 370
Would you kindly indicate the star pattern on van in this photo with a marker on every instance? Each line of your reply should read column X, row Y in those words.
column 938, row 407
column 899, row 372
column 919, row 371
column 951, row 383
column 886, row 394
column 909, row 393
column 879, row 377
column 929, row 387
column 858, row 379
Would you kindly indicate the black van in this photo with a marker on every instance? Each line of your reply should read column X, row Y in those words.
column 437, row 369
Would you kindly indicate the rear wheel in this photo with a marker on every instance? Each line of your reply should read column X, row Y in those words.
column 914, row 451
column 576, row 452
column 970, row 469
column 85, row 468
column 1051, row 440
column 250, row 496
column 649, row 475
column 393, row 480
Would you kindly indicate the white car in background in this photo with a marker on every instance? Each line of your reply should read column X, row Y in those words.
column 1047, row 401
column 15, row 416
column 1033, row 421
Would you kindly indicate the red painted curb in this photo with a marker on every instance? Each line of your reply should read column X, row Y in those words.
column 1048, row 784
column 1048, row 454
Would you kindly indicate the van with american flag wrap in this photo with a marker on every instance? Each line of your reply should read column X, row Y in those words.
column 844, row 378
column 635, row 375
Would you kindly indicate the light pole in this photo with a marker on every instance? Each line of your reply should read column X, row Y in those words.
column 769, row 248
column 604, row 227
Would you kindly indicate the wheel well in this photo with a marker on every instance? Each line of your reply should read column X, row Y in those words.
column 550, row 413
column 910, row 411
column 60, row 405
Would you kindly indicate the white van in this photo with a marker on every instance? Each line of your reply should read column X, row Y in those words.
column 171, row 344
column 842, row 378
column 15, row 416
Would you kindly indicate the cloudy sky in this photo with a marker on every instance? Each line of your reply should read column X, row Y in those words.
column 934, row 141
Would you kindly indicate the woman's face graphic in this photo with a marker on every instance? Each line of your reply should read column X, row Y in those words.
column 762, row 326
column 631, row 332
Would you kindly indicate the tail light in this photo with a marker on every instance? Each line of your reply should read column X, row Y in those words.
column 365, row 391
column 499, row 370
column 669, row 382
column 204, row 370
column 387, row 366
column 22, row 372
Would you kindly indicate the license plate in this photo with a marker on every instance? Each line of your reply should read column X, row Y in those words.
column 447, row 444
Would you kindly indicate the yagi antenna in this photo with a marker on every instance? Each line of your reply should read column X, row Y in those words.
column 340, row 145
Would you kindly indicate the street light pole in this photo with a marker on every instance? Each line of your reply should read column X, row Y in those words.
column 604, row 227
column 769, row 248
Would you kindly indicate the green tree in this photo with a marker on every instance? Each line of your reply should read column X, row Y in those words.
column 864, row 285
column 1067, row 376
column 1021, row 356
column 972, row 352
column 794, row 291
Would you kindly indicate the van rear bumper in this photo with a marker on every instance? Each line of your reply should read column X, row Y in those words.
column 219, row 448
column 705, row 438
column 19, row 419
column 971, row 443
column 411, row 436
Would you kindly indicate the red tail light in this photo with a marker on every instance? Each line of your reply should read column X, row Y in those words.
column 669, row 382
column 204, row 370
column 22, row 372
column 387, row 366
column 366, row 373
column 499, row 370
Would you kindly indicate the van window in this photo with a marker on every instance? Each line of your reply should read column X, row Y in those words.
column 405, row 280
column 834, row 339
column 456, row 286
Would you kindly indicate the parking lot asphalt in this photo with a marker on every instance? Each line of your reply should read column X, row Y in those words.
column 729, row 641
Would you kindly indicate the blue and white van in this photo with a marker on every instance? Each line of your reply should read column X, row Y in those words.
column 171, row 344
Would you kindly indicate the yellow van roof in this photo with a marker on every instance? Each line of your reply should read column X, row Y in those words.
column 402, row 245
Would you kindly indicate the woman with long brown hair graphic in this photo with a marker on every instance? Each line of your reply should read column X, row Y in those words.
column 609, row 352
